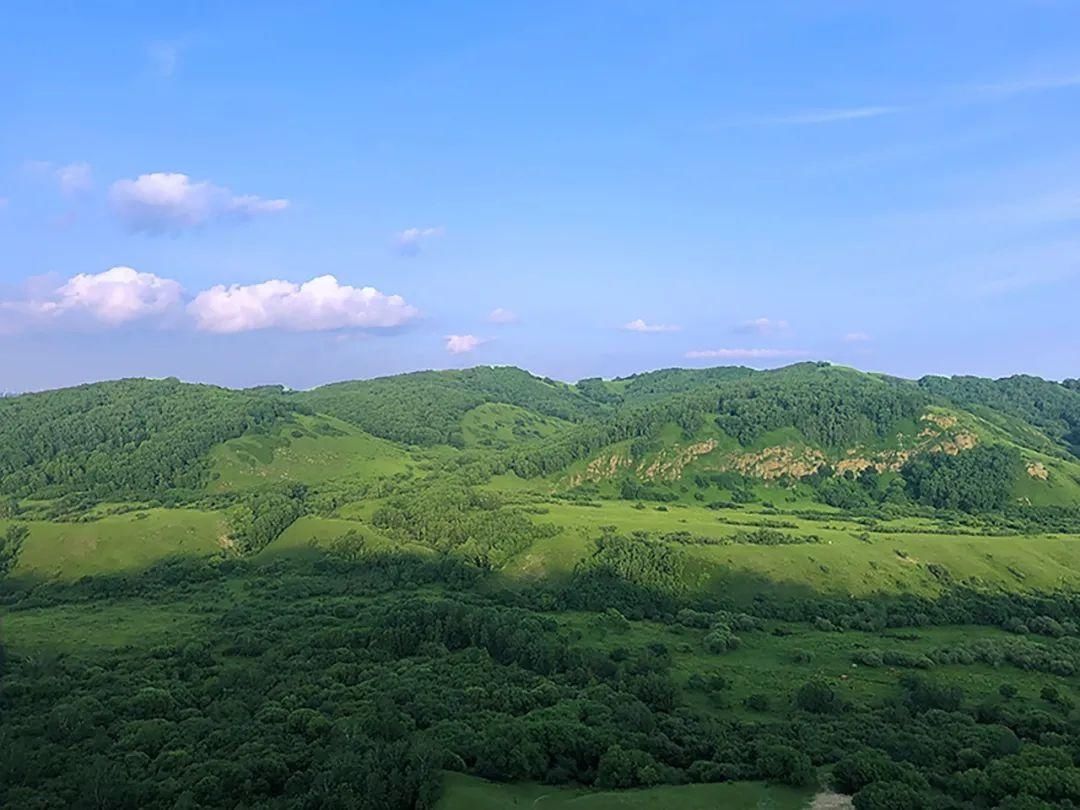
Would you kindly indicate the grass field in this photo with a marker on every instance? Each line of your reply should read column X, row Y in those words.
column 469, row 793
column 307, row 450
column 311, row 533
column 848, row 561
column 116, row 543
column 97, row 626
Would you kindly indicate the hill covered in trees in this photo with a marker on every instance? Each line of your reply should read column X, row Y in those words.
column 710, row 583
column 849, row 436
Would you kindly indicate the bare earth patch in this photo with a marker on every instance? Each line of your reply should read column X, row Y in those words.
column 776, row 462
column 1036, row 469
column 827, row 800
column 671, row 468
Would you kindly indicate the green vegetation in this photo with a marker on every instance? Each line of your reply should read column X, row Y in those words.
column 427, row 407
column 482, row 588
column 306, row 450
column 470, row 793
column 132, row 438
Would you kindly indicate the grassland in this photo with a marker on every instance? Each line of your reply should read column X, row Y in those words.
column 116, row 543
column 469, row 793
column 304, row 449
column 896, row 557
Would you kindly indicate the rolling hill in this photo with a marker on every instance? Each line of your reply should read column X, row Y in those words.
column 482, row 588
column 962, row 455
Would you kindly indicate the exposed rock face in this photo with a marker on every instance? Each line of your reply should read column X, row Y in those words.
column 940, row 433
column 671, row 469
column 777, row 462
column 1037, row 470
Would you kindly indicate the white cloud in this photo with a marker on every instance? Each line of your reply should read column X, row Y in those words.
column 114, row 297
column 763, row 326
column 744, row 354
column 639, row 325
column 410, row 240
column 502, row 316
column 319, row 304
column 857, row 337
column 462, row 344
column 163, row 202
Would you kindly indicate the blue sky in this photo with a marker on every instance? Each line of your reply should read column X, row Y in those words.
column 577, row 188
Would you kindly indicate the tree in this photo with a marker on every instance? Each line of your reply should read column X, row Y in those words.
column 817, row 697
column 10, row 547
column 891, row 796
column 784, row 764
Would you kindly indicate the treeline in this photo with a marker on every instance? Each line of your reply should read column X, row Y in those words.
column 124, row 439
column 259, row 517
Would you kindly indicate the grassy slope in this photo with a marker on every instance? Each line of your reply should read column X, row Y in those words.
column 469, row 793
column 497, row 425
column 842, row 564
column 308, row 450
column 116, row 543
column 312, row 533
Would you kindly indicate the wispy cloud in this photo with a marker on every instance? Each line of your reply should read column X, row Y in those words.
column 857, row 337
column 744, row 354
column 410, row 240
column 762, row 326
column 164, row 57
column 169, row 202
column 639, row 325
column 829, row 116
column 1018, row 87
column 70, row 178
column 500, row 315
column 954, row 96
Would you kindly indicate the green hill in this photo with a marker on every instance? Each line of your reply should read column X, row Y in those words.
column 978, row 455
column 481, row 588
column 427, row 407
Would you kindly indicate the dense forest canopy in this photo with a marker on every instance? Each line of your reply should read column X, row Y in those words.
column 129, row 438
column 830, row 407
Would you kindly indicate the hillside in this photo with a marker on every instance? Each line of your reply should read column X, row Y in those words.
column 427, row 407
column 481, row 588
